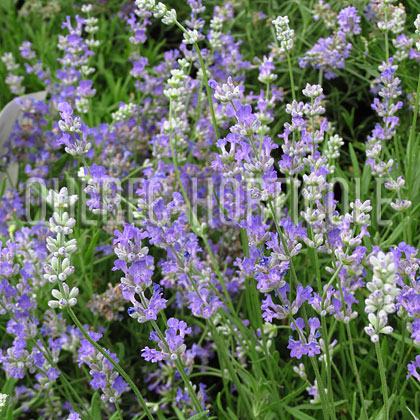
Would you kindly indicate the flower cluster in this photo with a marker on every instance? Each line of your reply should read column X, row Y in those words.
column 74, row 132
column 417, row 25
column 75, row 62
column 172, row 346
column 160, row 11
column 329, row 54
column 104, row 190
column 13, row 80
column 305, row 345
column 383, row 290
column 230, row 216
column 284, row 34
column 138, row 270
column 59, row 267
column 386, row 108
column 104, row 377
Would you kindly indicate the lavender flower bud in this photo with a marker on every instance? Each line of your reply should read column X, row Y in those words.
column 417, row 26
column 401, row 205
column 312, row 91
column 170, row 17
column 227, row 92
column 360, row 210
column 191, row 37
column 86, row 8
column 25, row 50
column 62, row 199
column 159, row 11
column 266, row 68
column 300, row 370
column 349, row 20
column 3, row 401
column 383, row 288
column 59, row 267
column 124, row 112
column 283, row 33
column 15, row 83
column 146, row 5
column 9, row 61
column 395, row 185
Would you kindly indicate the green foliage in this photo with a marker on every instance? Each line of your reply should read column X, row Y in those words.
column 268, row 389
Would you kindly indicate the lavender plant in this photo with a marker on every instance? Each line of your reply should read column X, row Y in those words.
column 215, row 213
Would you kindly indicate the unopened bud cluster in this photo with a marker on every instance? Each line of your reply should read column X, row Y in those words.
column 59, row 266
column 91, row 26
column 124, row 112
column 176, row 89
column 283, row 33
column 226, row 92
column 417, row 26
column 160, row 11
column 3, row 400
column 383, row 290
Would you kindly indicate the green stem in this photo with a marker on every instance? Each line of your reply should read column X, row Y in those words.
column 352, row 356
column 292, row 80
column 404, row 224
column 254, row 303
column 386, row 34
column 224, row 355
column 401, row 363
column 117, row 367
column 315, row 262
column 321, row 389
column 180, row 367
column 356, row 371
column 205, row 80
column 405, row 383
column 219, row 274
column 117, row 407
column 320, row 77
column 324, row 295
column 328, row 359
column 208, row 91
column 134, row 172
column 66, row 384
column 27, row 405
column 383, row 379
column 193, row 395
column 292, row 198
column 416, row 108
column 326, row 408
column 413, row 130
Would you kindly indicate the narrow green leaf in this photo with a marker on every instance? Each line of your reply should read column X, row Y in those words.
column 3, row 187
column 198, row 416
column 354, row 162
column 91, row 248
column 294, row 394
column 297, row 414
column 95, row 406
